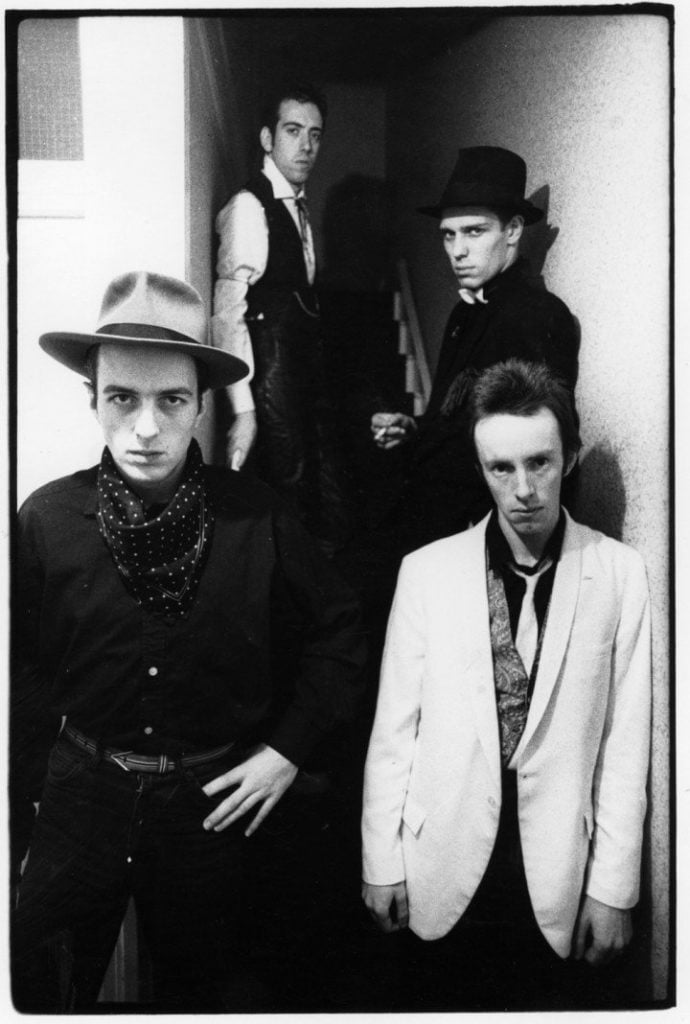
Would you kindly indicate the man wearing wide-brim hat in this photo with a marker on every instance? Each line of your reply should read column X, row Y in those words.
column 148, row 593
column 500, row 314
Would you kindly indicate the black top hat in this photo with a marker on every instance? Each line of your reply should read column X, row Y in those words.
column 487, row 176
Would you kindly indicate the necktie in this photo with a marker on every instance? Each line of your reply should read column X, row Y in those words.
column 305, row 234
column 527, row 635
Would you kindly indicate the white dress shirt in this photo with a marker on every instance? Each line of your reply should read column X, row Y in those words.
column 242, row 260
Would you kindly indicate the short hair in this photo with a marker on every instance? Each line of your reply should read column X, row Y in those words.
column 91, row 371
column 521, row 388
column 301, row 92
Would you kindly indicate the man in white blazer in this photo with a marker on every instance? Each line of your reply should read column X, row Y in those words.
column 504, row 794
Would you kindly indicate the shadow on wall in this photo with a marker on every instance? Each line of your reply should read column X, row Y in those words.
column 538, row 239
column 600, row 495
column 357, row 235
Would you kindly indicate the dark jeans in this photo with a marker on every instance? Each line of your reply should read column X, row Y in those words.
column 103, row 834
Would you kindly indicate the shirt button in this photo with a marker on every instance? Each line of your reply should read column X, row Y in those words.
column 492, row 802
column 148, row 730
column 153, row 671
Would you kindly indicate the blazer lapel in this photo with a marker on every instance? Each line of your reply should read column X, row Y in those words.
column 477, row 667
column 566, row 588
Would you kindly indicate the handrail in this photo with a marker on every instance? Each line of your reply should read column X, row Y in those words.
column 412, row 320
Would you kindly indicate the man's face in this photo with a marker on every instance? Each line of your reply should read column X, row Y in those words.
column 294, row 145
column 147, row 404
column 523, row 464
column 477, row 245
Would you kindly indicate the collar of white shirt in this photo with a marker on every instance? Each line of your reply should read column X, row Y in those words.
column 282, row 189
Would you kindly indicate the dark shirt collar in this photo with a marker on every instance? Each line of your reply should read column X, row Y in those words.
column 515, row 272
column 500, row 555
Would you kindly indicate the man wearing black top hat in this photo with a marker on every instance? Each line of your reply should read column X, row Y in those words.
column 501, row 314
column 179, row 647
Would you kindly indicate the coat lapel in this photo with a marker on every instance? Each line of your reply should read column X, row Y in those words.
column 477, row 667
column 566, row 588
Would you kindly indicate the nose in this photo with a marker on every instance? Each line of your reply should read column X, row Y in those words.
column 307, row 143
column 524, row 485
column 146, row 425
column 460, row 247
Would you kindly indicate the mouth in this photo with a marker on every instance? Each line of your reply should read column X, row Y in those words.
column 527, row 512
column 144, row 456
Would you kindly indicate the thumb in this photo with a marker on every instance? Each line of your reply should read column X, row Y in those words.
column 580, row 938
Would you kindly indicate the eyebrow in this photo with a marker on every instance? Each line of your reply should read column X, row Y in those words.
column 301, row 124
column 124, row 388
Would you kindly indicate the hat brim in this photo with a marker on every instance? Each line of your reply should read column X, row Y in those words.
column 71, row 350
column 531, row 213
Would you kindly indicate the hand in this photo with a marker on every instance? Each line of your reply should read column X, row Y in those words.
column 262, row 779
column 392, row 428
column 387, row 904
column 608, row 929
column 241, row 437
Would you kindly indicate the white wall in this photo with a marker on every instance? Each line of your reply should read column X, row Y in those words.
column 127, row 213
column 585, row 101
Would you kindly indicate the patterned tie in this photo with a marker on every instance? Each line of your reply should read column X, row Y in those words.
column 305, row 233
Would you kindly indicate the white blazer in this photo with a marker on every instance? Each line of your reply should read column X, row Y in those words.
column 432, row 790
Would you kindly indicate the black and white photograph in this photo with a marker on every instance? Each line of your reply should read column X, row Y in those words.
column 344, row 505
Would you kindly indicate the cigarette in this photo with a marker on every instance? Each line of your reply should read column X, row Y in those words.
column 381, row 432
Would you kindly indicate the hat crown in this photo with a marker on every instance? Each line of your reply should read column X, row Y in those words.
column 487, row 176
column 154, row 301
column 491, row 167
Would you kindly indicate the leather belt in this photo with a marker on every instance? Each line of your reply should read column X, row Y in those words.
column 131, row 762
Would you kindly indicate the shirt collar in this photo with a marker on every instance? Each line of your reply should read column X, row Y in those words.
column 498, row 547
column 282, row 189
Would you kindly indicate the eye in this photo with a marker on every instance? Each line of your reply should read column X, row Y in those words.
column 475, row 232
column 121, row 398
column 174, row 400
column 540, row 462
column 500, row 469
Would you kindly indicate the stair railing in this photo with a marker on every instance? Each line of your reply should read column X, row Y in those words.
column 411, row 343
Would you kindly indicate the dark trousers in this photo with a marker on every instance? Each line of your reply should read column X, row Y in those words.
column 103, row 834
column 496, row 957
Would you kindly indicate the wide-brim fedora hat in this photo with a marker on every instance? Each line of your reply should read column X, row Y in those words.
column 487, row 176
column 143, row 308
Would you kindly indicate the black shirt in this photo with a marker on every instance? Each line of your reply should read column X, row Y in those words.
column 501, row 559
column 271, row 650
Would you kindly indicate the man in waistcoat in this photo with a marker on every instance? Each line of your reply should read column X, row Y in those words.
column 180, row 645
column 504, row 795
column 500, row 314
column 266, row 312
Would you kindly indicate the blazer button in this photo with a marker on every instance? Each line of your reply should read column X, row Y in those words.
column 492, row 802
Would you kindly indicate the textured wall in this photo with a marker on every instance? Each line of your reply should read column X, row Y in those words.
column 585, row 101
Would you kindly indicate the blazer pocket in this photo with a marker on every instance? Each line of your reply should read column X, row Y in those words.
column 413, row 815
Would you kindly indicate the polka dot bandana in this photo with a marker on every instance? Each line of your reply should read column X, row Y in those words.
column 160, row 558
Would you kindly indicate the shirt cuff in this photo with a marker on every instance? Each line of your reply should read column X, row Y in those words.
column 295, row 736
column 241, row 398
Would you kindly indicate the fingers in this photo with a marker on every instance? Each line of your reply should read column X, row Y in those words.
column 231, row 778
column 580, row 936
column 237, row 460
column 403, row 913
column 231, row 809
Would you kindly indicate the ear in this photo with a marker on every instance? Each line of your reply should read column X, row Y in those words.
column 570, row 460
column 92, row 396
column 514, row 228
column 203, row 406
column 266, row 140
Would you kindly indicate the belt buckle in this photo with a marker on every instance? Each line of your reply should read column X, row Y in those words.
column 117, row 758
